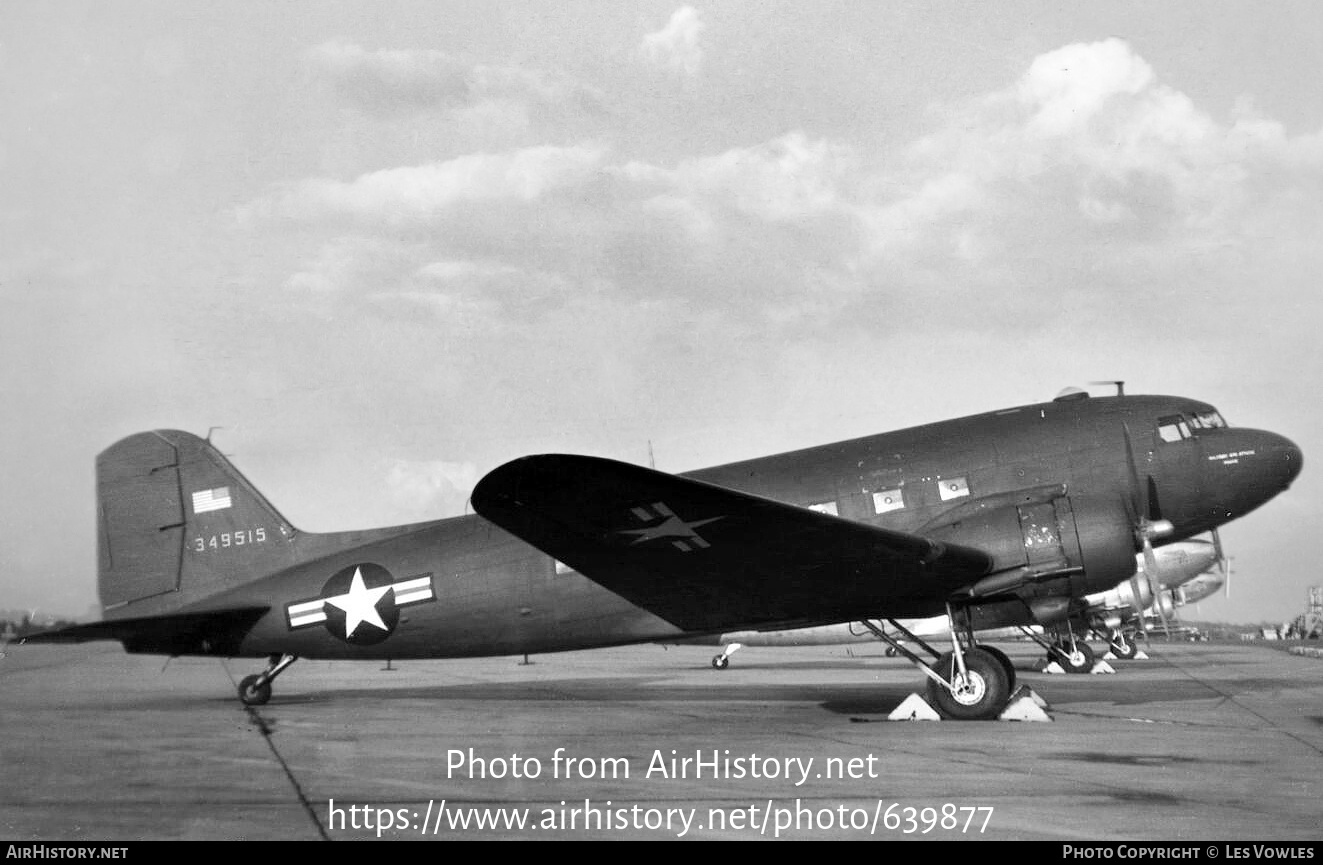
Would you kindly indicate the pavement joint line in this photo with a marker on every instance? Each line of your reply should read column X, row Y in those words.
column 265, row 730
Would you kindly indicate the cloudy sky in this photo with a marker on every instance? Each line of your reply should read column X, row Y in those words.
column 388, row 246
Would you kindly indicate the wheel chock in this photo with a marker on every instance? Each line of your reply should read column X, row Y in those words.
column 1101, row 667
column 1025, row 705
column 1054, row 668
column 1141, row 655
column 914, row 708
column 1026, row 691
column 1110, row 656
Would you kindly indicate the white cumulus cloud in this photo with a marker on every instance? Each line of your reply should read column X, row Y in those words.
column 431, row 487
column 675, row 46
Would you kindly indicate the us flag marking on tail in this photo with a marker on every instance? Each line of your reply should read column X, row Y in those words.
column 211, row 500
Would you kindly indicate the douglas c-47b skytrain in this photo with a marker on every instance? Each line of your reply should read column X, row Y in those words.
column 1006, row 518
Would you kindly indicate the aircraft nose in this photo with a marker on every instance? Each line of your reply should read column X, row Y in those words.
column 1247, row 467
column 1284, row 458
column 1292, row 457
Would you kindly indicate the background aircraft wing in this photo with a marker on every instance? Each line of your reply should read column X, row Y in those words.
column 704, row 557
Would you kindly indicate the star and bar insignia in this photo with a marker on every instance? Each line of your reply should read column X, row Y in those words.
column 360, row 604
column 666, row 525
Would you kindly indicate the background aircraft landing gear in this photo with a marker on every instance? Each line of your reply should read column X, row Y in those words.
column 1074, row 657
column 255, row 690
column 1123, row 645
column 979, row 694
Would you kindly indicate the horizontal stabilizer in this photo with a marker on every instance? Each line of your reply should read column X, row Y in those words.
column 214, row 632
column 706, row 557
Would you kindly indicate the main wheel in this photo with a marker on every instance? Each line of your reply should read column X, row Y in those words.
column 253, row 694
column 1124, row 647
column 1078, row 660
column 1007, row 667
column 977, row 695
column 720, row 662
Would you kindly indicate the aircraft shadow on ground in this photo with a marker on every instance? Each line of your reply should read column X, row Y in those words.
column 846, row 699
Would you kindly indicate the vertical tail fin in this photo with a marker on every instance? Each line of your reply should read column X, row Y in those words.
column 178, row 523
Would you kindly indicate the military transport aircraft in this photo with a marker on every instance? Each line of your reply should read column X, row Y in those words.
column 1003, row 518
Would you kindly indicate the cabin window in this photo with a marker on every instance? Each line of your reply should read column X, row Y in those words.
column 562, row 568
column 825, row 508
column 952, row 488
column 888, row 500
column 1173, row 428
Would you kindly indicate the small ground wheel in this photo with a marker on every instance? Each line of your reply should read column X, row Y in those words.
column 253, row 691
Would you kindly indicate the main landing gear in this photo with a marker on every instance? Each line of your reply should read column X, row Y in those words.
column 1122, row 644
column 255, row 690
column 968, row 683
column 1073, row 654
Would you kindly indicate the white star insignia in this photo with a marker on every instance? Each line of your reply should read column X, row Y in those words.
column 359, row 604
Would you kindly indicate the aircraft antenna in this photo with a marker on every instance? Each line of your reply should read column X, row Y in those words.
column 652, row 462
column 210, row 430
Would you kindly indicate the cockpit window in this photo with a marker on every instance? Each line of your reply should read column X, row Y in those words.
column 1207, row 420
column 1173, row 428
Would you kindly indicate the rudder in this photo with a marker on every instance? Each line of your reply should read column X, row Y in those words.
column 178, row 523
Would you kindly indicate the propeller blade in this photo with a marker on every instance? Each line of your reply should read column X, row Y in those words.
column 1154, row 584
column 1154, row 512
column 1136, row 503
column 1223, row 562
column 1137, row 601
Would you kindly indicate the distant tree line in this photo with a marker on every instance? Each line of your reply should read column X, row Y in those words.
column 15, row 630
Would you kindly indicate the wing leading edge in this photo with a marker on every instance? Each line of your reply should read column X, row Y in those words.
column 705, row 557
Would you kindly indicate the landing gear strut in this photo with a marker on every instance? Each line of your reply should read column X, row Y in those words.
column 968, row 683
column 255, row 690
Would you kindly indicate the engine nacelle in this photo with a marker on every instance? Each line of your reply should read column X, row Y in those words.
column 1044, row 544
column 1123, row 597
column 1107, row 543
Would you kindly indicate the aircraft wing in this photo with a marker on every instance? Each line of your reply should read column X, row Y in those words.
column 173, row 633
column 705, row 557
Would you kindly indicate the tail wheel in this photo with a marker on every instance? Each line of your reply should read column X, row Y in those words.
column 720, row 662
column 979, row 694
column 253, row 691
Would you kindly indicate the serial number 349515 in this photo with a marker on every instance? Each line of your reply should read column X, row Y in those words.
column 242, row 537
